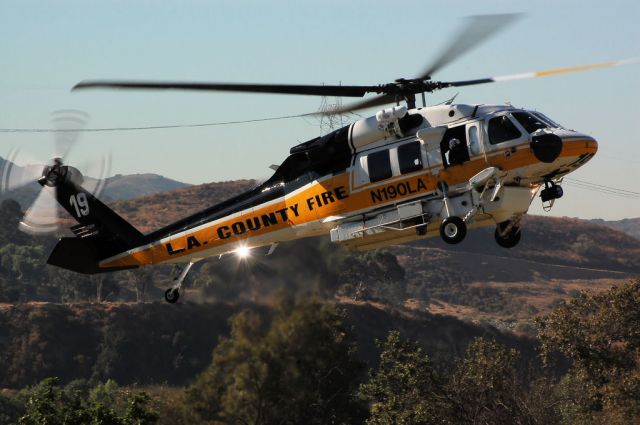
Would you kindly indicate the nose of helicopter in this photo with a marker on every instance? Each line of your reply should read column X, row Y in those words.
column 549, row 147
column 546, row 147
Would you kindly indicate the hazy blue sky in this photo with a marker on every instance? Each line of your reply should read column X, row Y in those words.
column 48, row 46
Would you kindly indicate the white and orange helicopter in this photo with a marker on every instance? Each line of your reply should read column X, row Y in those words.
column 404, row 174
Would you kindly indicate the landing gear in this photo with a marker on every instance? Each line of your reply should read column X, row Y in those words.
column 507, row 234
column 172, row 294
column 453, row 230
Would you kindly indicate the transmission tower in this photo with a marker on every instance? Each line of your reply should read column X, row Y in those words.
column 330, row 119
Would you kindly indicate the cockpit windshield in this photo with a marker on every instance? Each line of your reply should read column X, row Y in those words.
column 548, row 120
column 530, row 122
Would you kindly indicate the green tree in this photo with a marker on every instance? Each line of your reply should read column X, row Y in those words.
column 23, row 262
column 600, row 334
column 485, row 385
column 373, row 275
column 300, row 369
column 482, row 388
column 138, row 411
column 47, row 403
column 141, row 279
column 10, row 410
column 405, row 388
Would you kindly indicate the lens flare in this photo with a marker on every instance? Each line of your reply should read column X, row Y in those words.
column 243, row 252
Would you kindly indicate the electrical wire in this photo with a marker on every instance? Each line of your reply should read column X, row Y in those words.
column 151, row 127
column 604, row 187
column 607, row 190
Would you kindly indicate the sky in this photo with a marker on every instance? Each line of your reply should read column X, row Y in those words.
column 47, row 47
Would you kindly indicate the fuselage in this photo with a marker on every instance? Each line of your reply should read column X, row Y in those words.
column 376, row 168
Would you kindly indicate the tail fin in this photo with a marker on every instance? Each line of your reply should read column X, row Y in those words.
column 100, row 232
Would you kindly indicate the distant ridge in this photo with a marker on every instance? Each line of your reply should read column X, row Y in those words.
column 630, row 226
column 118, row 187
column 123, row 187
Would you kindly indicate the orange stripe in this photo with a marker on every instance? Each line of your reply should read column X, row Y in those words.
column 309, row 212
column 573, row 69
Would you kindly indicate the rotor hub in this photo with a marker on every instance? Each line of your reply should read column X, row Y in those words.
column 52, row 175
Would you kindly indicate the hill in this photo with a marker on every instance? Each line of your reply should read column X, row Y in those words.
column 630, row 226
column 172, row 344
column 151, row 212
column 131, row 186
column 117, row 187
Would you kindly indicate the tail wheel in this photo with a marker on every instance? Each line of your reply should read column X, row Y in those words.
column 453, row 230
column 172, row 295
column 510, row 239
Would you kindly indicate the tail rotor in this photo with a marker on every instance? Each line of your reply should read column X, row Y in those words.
column 21, row 171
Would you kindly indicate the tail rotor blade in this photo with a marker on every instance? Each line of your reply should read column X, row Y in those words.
column 95, row 174
column 68, row 124
column 42, row 216
column 15, row 176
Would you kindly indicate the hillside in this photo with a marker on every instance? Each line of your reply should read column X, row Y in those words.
column 132, row 186
column 630, row 226
column 151, row 212
column 172, row 344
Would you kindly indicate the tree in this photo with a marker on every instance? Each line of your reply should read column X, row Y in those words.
column 405, row 388
column 300, row 369
column 600, row 334
column 374, row 275
column 485, row 385
column 47, row 403
column 482, row 388
column 141, row 278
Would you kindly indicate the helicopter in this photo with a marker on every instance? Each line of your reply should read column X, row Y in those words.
column 403, row 174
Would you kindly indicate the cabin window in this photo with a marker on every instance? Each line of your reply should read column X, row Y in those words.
column 501, row 129
column 529, row 122
column 379, row 166
column 409, row 157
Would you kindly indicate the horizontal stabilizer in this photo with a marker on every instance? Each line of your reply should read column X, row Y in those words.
column 79, row 255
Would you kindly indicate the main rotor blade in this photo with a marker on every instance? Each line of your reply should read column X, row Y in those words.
column 478, row 29
column 369, row 103
column 312, row 90
column 535, row 74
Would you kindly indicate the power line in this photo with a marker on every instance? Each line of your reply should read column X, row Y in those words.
column 604, row 187
column 607, row 190
column 151, row 127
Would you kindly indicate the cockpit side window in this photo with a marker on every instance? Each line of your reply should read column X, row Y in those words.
column 379, row 166
column 501, row 129
column 530, row 122
column 409, row 157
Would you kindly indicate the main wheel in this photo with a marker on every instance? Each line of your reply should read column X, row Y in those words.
column 453, row 230
column 171, row 295
column 511, row 239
